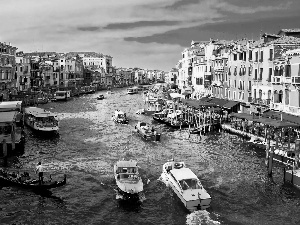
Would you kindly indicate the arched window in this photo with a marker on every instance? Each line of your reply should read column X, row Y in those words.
column 260, row 94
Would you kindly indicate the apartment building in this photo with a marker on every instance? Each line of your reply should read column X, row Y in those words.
column 7, row 69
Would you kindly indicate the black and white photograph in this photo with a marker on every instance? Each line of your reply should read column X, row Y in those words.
column 150, row 112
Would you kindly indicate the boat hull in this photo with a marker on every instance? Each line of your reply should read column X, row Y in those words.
column 34, row 184
column 193, row 199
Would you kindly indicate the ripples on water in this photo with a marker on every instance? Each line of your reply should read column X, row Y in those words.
column 231, row 170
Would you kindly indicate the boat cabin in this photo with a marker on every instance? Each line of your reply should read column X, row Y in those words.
column 126, row 169
column 133, row 90
column 120, row 114
column 11, row 106
column 185, row 177
column 62, row 95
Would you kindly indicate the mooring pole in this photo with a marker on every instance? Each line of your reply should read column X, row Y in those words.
column 271, row 161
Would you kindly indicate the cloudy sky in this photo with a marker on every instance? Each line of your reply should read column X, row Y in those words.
column 149, row 34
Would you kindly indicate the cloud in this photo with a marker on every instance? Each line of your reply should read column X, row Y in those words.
column 181, row 3
column 89, row 28
column 140, row 24
column 148, row 33
column 226, row 29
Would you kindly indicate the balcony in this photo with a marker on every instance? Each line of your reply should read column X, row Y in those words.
column 277, row 106
column 219, row 68
column 277, row 80
column 287, row 80
column 296, row 80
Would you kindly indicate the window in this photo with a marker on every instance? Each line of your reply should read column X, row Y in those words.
column 256, row 56
column 234, row 57
column 255, row 74
column 270, row 75
column 288, row 71
column 241, row 56
column 249, row 85
column 250, row 55
column 261, row 74
column 261, row 56
column 271, row 55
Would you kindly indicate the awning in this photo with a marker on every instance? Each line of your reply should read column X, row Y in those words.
column 218, row 101
column 230, row 104
column 196, row 103
column 186, row 93
column 264, row 120
column 206, row 99
column 285, row 116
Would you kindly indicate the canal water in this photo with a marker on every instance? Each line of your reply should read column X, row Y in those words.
column 230, row 169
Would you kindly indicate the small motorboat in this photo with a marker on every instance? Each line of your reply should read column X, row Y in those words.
column 129, row 183
column 120, row 117
column 186, row 185
column 109, row 92
column 25, row 181
column 144, row 130
column 100, row 97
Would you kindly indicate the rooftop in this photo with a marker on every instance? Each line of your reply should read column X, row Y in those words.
column 291, row 30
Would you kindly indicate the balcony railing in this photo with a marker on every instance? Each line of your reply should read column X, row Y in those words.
column 296, row 80
column 287, row 80
column 277, row 80
column 277, row 106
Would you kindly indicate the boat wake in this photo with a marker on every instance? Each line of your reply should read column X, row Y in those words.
column 163, row 178
column 200, row 217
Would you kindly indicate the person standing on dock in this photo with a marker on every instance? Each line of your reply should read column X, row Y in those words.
column 40, row 170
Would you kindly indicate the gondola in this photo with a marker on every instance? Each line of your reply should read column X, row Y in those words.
column 25, row 181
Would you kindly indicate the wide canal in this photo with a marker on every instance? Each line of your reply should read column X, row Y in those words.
column 230, row 169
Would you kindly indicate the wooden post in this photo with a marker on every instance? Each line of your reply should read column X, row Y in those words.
column 271, row 161
column 4, row 146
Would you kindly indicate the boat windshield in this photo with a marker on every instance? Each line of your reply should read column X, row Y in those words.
column 47, row 121
column 190, row 184
column 127, row 170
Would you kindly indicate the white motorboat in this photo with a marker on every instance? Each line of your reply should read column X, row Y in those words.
column 120, row 117
column 41, row 119
column 186, row 185
column 128, row 180
column 147, row 132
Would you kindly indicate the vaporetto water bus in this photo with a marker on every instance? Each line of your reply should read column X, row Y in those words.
column 41, row 119
column 133, row 90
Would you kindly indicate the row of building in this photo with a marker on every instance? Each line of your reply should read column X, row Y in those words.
column 262, row 74
column 21, row 71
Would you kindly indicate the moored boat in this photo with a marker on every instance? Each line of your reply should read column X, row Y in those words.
column 144, row 130
column 100, row 97
column 186, row 185
column 41, row 120
column 128, row 180
column 25, row 181
column 62, row 95
column 133, row 90
column 120, row 117
column 11, row 126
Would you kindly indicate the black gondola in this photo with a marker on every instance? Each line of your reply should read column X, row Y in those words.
column 24, row 181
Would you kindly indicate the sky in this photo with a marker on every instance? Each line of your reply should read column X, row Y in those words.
column 149, row 34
